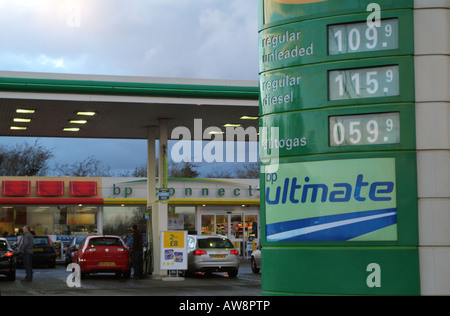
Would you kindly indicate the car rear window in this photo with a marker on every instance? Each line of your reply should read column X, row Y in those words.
column 215, row 243
column 79, row 239
column 104, row 241
column 3, row 245
column 40, row 241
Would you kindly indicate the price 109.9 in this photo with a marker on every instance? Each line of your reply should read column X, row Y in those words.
column 367, row 129
column 359, row 37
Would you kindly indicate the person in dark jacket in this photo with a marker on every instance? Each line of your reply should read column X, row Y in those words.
column 27, row 253
column 137, row 253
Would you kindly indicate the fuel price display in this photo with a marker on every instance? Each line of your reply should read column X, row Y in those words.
column 359, row 37
column 366, row 129
column 363, row 83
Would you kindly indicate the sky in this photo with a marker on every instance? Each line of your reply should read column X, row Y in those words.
column 207, row 39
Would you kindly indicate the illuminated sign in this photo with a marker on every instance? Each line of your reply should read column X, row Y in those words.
column 333, row 200
column 337, row 117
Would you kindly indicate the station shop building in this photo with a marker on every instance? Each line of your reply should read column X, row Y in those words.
column 63, row 207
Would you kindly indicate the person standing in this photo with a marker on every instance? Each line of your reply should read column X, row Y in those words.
column 27, row 253
column 137, row 253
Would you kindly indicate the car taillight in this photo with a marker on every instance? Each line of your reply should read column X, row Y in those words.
column 9, row 254
column 199, row 252
column 234, row 252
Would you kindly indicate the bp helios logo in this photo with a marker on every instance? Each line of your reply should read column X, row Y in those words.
column 333, row 200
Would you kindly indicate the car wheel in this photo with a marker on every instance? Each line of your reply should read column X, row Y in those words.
column 255, row 268
column 127, row 274
column 12, row 275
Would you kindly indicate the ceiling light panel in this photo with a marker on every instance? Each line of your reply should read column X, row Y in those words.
column 78, row 121
column 86, row 113
column 25, row 111
column 21, row 120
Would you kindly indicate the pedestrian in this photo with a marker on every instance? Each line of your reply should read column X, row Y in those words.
column 137, row 253
column 27, row 253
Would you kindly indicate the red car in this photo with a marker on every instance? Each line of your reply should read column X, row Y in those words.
column 103, row 254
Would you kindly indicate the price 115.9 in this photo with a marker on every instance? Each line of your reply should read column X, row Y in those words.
column 363, row 83
column 366, row 129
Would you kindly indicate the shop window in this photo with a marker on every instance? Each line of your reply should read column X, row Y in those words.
column 118, row 220
column 236, row 226
column 251, row 226
column 222, row 225
column 181, row 218
column 208, row 225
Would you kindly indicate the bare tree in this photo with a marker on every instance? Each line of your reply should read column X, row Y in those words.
column 140, row 172
column 217, row 173
column 24, row 160
column 175, row 170
column 248, row 171
column 89, row 167
column 183, row 169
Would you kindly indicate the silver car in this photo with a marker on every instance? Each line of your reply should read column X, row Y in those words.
column 208, row 254
column 255, row 260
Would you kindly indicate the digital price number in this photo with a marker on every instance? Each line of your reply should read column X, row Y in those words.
column 366, row 129
column 359, row 37
column 363, row 83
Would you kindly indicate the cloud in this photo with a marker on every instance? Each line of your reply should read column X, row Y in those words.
column 214, row 39
column 159, row 38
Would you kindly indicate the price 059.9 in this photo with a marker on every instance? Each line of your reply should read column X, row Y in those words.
column 367, row 129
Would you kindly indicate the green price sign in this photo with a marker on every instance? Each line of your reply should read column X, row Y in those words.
column 374, row 128
column 363, row 83
column 359, row 37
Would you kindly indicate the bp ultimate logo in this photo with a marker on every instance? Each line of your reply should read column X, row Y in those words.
column 333, row 200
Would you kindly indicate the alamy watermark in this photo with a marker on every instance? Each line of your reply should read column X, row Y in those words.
column 226, row 144
column 374, row 18
column 74, row 278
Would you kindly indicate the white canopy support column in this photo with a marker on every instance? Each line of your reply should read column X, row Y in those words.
column 151, row 189
column 162, row 183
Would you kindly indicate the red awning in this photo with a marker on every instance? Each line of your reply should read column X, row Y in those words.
column 50, row 188
column 16, row 188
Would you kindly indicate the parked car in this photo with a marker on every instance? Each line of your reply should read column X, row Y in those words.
column 103, row 254
column 72, row 247
column 208, row 254
column 43, row 252
column 7, row 260
column 255, row 260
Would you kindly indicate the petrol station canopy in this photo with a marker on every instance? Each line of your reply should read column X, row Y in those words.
column 120, row 106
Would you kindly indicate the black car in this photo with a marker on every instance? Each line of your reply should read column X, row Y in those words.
column 43, row 252
column 7, row 260
column 72, row 247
